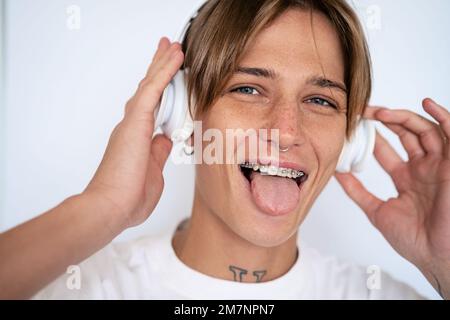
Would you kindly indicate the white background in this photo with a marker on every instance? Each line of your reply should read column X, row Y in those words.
column 65, row 91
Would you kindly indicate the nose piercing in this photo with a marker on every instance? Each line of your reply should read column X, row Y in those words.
column 284, row 150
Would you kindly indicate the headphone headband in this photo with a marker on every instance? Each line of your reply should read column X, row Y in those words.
column 179, row 36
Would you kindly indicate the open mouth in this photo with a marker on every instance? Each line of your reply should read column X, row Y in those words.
column 247, row 168
column 274, row 189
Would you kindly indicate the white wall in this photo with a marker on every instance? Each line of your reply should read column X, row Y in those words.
column 2, row 106
column 65, row 91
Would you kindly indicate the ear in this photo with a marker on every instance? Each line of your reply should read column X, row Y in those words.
column 190, row 141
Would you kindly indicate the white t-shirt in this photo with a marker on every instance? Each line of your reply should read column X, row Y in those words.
column 148, row 268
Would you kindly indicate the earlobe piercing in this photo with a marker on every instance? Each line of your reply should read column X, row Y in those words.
column 188, row 150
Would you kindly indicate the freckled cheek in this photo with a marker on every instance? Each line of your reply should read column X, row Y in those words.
column 328, row 146
column 233, row 120
column 221, row 121
column 230, row 119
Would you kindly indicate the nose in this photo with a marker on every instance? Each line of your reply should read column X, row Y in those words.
column 285, row 118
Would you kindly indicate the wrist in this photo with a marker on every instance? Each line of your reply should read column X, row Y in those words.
column 112, row 219
column 438, row 274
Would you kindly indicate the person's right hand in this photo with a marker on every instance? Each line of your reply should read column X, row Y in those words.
column 129, row 180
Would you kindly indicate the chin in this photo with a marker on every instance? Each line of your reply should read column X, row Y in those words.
column 262, row 230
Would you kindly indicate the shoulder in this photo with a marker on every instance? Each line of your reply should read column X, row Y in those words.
column 120, row 270
column 338, row 279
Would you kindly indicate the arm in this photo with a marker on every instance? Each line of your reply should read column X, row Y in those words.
column 36, row 252
column 123, row 193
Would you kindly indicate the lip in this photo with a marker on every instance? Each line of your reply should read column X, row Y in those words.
column 283, row 164
column 279, row 163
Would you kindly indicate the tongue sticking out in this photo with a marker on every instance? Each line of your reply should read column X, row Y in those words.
column 274, row 195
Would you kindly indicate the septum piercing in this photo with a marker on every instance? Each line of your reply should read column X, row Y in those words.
column 284, row 150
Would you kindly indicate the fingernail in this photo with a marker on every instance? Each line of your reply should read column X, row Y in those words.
column 428, row 102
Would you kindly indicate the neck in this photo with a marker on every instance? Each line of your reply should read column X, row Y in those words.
column 206, row 244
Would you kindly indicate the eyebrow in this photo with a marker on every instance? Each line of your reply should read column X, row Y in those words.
column 326, row 83
column 258, row 72
column 318, row 81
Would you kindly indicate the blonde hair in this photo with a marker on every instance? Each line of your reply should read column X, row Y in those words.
column 219, row 35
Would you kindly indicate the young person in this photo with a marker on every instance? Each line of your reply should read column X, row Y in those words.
column 298, row 66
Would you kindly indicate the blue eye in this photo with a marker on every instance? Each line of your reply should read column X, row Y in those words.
column 321, row 102
column 245, row 90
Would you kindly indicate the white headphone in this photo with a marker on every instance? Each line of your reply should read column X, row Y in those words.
column 174, row 119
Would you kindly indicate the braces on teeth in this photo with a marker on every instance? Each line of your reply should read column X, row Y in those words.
column 273, row 170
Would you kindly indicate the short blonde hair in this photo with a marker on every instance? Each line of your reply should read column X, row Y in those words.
column 220, row 34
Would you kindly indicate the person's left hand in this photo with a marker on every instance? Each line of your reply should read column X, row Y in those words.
column 417, row 222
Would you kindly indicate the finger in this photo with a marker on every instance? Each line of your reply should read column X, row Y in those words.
column 163, row 46
column 162, row 60
column 441, row 115
column 151, row 88
column 161, row 147
column 386, row 156
column 409, row 140
column 371, row 111
column 358, row 193
column 426, row 131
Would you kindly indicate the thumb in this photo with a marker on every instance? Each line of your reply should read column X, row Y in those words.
column 359, row 194
column 161, row 147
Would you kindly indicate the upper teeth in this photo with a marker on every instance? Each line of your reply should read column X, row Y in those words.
column 273, row 170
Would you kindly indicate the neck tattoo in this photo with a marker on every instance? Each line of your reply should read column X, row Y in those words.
column 239, row 273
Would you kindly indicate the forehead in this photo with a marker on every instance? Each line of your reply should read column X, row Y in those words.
column 298, row 42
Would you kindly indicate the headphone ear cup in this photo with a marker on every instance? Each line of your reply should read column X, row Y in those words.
column 173, row 115
column 357, row 151
column 165, row 109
